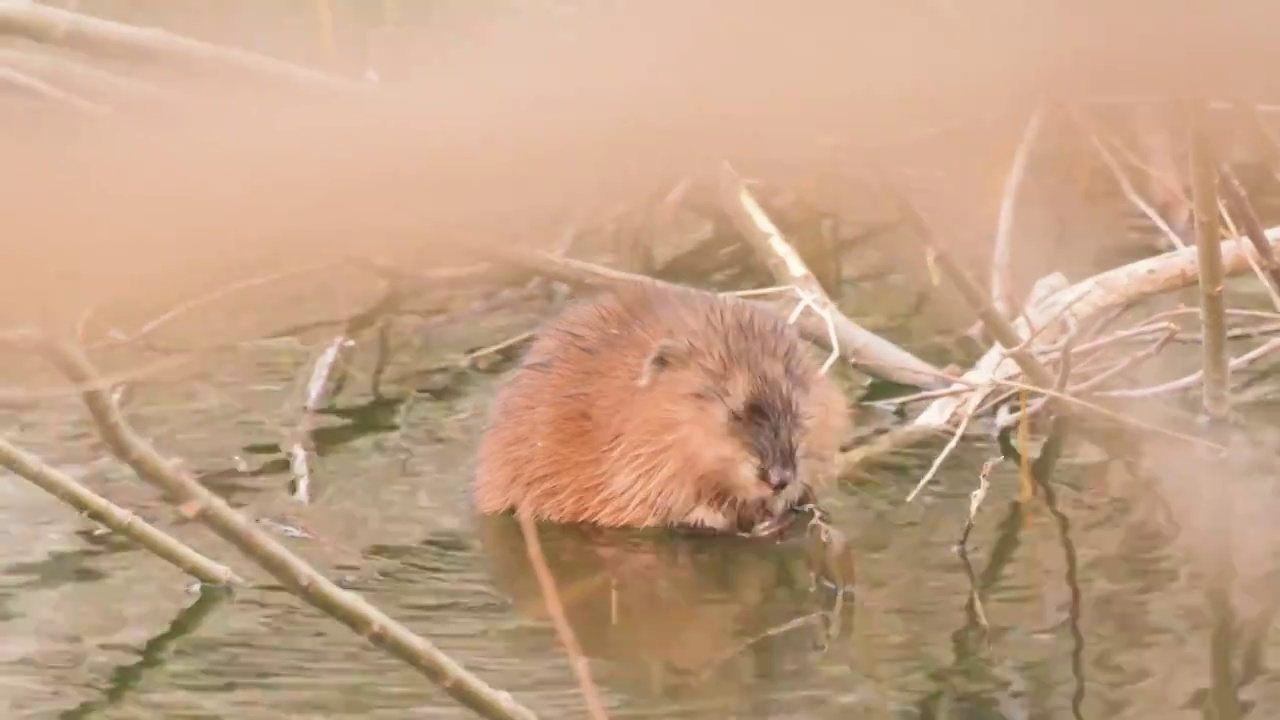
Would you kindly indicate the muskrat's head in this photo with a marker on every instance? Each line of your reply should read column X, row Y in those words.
column 745, row 399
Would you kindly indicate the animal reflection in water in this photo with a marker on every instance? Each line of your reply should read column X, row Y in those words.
column 683, row 609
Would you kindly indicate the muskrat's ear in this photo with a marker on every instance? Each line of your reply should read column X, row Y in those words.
column 665, row 354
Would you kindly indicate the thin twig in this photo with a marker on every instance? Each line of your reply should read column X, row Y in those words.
column 1126, row 364
column 1126, row 186
column 42, row 23
column 85, row 79
column 1002, row 253
column 1237, row 200
column 555, row 609
column 37, row 88
column 937, row 462
column 1194, row 378
column 65, row 488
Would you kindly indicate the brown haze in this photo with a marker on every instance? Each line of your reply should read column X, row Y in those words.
column 510, row 128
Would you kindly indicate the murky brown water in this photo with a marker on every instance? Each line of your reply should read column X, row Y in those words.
column 1109, row 619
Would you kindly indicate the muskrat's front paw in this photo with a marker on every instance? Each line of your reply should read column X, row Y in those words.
column 772, row 524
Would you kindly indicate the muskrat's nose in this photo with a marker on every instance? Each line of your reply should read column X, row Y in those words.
column 779, row 478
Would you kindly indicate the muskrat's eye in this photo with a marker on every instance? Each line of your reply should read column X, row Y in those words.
column 753, row 412
column 707, row 394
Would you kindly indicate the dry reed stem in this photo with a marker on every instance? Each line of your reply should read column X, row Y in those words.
column 555, row 609
column 41, row 90
column 52, row 26
column 68, row 490
column 1002, row 253
column 297, row 575
column 1213, row 319
column 861, row 346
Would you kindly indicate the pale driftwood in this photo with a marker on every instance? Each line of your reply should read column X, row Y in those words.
column 65, row 488
column 41, row 90
column 52, row 26
column 860, row 346
column 198, row 503
column 1080, row 302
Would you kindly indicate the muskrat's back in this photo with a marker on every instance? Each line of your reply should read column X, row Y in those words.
column 658, row 405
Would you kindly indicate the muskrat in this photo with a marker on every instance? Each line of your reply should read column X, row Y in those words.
column 660, row 405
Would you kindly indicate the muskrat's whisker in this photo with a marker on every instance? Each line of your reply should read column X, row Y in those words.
column 759, row 292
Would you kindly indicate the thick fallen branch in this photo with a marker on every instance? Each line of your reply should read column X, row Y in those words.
column 65, row 488
column 862, row 347
column 52, row 26
column 198, row 503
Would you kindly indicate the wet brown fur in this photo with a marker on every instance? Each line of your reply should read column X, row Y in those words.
column 658, row 406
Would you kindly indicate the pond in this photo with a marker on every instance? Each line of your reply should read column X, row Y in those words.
column 1091, row 607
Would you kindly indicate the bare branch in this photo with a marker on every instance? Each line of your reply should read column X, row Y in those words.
column 862, row 347
column 42, row 90
column 1002, row 253
column 65, row 488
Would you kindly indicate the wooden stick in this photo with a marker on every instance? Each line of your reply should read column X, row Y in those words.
column 861, row 346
